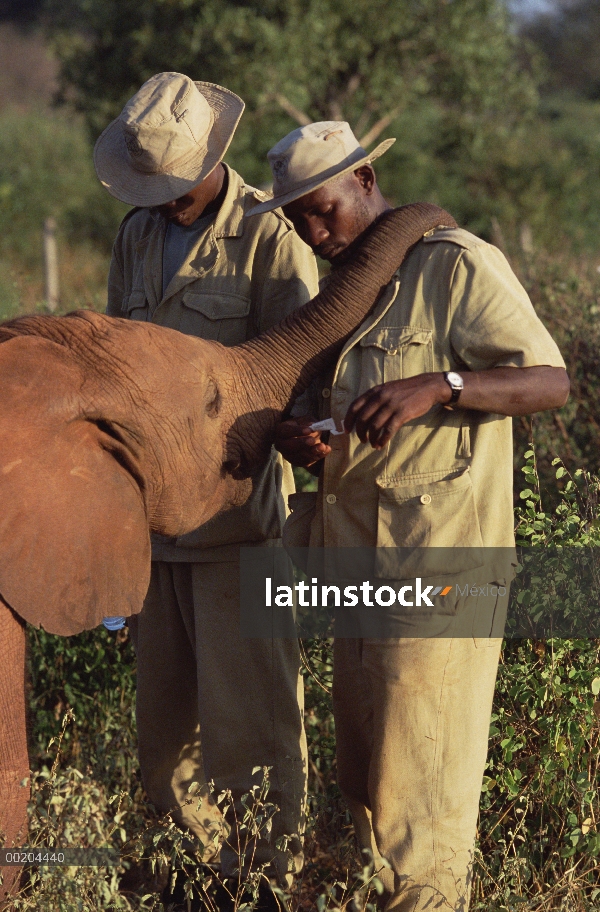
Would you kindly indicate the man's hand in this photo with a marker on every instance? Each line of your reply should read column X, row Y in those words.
column 298, row 444
column 380, row 412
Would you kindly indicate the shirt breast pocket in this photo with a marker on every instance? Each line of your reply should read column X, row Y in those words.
column 395, row 353
column 135, row 306
column 215, row 316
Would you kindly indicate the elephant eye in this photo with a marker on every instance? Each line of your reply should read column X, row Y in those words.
column 213, row 399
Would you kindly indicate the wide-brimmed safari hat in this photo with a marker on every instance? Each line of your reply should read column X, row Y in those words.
column 166, row 140
column 310, row 156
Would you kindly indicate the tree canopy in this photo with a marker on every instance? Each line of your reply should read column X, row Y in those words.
column 365, row 61
column 21, row 11
column 569, row 37
column 443, row 76
column 295, row 61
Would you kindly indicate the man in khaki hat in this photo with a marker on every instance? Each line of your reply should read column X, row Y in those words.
column 424, row 390
column 210, row 705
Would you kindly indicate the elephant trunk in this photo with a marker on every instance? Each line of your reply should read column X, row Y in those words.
column 275, row 368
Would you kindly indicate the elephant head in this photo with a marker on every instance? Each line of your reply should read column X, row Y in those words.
column 110, row 429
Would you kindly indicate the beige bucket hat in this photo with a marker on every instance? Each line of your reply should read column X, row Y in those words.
column 166, row 140
column 310, row 156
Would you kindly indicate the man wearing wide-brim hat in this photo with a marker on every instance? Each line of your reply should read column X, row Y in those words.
column 210, row 705
column 419, row 480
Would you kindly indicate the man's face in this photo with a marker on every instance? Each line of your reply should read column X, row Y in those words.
column 331, row 217
column 185, row 210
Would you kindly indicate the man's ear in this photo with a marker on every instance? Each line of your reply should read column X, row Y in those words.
column 365, row 176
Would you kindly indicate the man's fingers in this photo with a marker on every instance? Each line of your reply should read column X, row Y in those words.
column 369, row 400
column 363, row 420
column 303, row 451
column 379, row 427
column 382, row 426
column 371, row 427
column 385, row 434
column 298, row 445
column 295, row 428
column 306, row 444
column 316, row 455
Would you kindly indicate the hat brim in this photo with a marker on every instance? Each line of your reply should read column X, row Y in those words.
column 115, row 172
column 320, row 180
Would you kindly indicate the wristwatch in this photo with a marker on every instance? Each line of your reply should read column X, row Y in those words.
column 455, row 382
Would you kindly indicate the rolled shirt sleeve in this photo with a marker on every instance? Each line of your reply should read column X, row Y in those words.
column 493, row 322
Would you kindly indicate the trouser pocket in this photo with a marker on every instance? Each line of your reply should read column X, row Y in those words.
column 489, row 615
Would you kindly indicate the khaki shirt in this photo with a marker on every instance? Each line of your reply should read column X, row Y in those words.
column 444, row 480
column 242, row 277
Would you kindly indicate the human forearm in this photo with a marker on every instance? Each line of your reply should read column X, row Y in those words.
column 510, row 391
column 383, row 410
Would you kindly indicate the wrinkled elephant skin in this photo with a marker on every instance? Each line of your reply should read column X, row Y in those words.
column 111, row 429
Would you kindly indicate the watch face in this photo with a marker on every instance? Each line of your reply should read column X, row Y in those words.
column 455, row 380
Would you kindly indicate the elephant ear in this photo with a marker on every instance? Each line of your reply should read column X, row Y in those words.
column 74, row 540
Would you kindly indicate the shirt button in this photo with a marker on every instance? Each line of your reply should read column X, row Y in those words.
column 425, row 498
column 326, row 393
column 331, row 498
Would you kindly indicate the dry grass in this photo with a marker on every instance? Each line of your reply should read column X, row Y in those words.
column 83, row 272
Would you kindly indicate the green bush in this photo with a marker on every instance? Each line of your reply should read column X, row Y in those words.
column 538, row 836
column 46, row 170
column 565, row 291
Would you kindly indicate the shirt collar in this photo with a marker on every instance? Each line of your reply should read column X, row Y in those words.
column 229, row 221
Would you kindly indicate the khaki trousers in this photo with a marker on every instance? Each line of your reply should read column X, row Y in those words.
column 212, row 706
column 412, row 720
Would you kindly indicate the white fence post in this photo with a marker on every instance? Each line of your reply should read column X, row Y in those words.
column 51, row 282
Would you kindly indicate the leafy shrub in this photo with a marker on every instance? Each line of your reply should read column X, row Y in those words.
column 565, row 291
column 538, row 837
column 46, row 170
